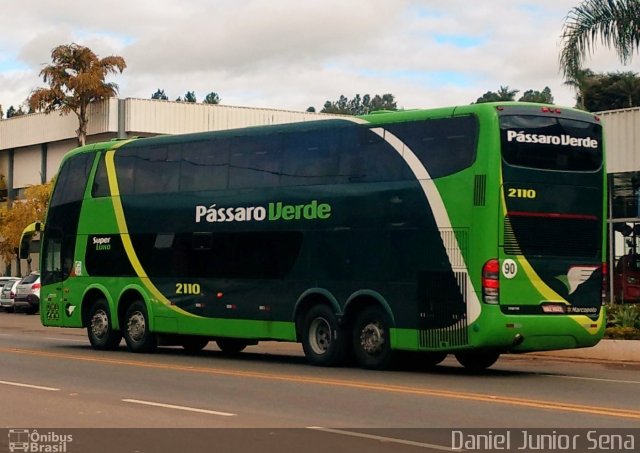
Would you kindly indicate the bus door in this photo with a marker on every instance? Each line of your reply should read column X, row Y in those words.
column 52, row 278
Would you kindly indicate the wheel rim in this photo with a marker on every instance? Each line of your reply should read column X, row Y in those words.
column 320, row 336
column 136, row 326
column 100, row 324
column 372, row 338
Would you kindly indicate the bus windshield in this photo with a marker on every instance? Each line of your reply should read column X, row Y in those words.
column 549, row 143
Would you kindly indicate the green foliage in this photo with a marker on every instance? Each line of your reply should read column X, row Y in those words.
column 190, row 96
column 614, row 90
column 507, row 94
column 503, row 94
column 360, row 105
column 211, row 98
column 623, row 322
column 159, row 95
column 11, row 112
column 541, row 97
column 615, row 23
column 627, row 315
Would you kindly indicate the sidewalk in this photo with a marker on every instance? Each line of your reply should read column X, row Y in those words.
column 606, row 351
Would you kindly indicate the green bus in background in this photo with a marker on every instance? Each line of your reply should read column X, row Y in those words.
column 472, row 230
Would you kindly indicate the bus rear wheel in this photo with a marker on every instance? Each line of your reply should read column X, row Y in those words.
column 231, row 345
column 477, row 361
column 371, row 340
column 136, row 329
column 101, row 334
column 323, row 341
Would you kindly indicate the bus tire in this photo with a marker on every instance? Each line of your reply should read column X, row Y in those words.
column 136, row 329
column 193, row 344
column 371, row 339
column 477, row 360
column 231, row 346
column 99, row 327
column 323, row 341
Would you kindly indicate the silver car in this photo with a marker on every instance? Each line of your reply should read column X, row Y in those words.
column 8, row 292
column 28, row 294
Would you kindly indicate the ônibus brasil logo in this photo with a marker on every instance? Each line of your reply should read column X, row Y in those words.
column 273, row 211
column 564, row 139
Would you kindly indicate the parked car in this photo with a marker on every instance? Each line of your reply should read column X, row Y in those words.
column 28, row 294
column 626, row 279
column 8, row 292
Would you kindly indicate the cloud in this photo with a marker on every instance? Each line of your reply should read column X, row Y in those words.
column 293, row 54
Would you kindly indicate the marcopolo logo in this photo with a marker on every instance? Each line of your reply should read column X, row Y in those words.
column 273, row 211
column 102, row 243
column 562, row 140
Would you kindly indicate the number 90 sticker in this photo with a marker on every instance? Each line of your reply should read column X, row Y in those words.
column 509, row 268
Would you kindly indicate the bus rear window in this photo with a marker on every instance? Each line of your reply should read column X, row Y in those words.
column 549, row 143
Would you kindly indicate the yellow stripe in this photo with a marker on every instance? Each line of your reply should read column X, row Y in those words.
column 546, row 292
column 124, row 233
column 351, row 384
column 119, row 211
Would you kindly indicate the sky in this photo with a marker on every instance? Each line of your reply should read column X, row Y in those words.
column 293, row 54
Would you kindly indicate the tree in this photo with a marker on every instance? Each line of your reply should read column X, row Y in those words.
column 1, row 112
column 211, row 98
column 541, row 97
column 159, row 95
column 76, row 79
column 11, row 112
column 190, row 96
column 503, row 94
column 616, row 22
column 384, row 102
column 360, row 105
column 614, row 90
column 311, row 109
column 22, row 213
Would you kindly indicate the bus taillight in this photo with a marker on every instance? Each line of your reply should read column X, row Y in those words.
column 491, row 281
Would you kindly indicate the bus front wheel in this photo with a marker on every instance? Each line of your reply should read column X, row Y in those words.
column 99, row 328
column 323, row 341
column 477, row 361
column 136, row 329
column 371, row 341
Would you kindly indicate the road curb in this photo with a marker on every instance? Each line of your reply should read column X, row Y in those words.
column 605, row 351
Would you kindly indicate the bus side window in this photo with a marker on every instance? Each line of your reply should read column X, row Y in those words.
column 204, row 165
column 310, row 157
column 255, row 162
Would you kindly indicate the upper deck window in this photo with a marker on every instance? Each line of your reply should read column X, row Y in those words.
column 550, row 143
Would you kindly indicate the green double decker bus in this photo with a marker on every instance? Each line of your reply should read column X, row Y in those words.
column 472, row 230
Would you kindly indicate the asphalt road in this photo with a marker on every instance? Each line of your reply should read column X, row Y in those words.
column 50, row 379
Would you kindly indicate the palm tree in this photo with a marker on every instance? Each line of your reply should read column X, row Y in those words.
column 76, row 78
column 580, row 80
column 617, row 22
column 505, row 94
